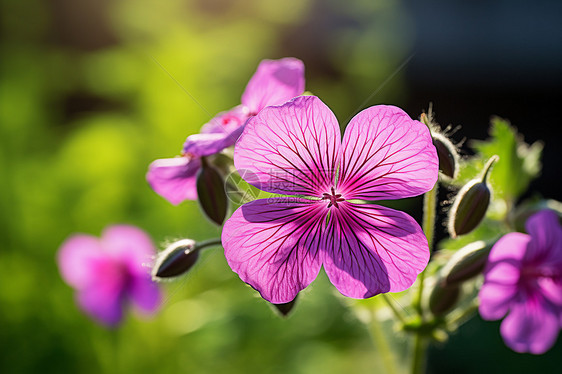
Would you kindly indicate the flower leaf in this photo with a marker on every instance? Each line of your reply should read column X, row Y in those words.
column 519, row 162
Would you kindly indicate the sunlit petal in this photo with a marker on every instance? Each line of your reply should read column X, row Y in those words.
column 274, row 83
column 372, row 249
column 174, row 178
column 292, row 149
column 273, row 245
column 386, row 155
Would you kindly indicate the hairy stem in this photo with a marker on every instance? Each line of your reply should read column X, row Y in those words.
column 418, row 361
column 428, row 226
column 381, row 342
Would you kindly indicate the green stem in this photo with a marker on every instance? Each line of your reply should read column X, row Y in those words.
column 428, row 226
column 381, row 342
column 429, row 212
column 418, row 362
column 208, row 243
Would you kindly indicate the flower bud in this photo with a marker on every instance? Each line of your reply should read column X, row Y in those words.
column 471, row 204
column 285, row 308
column 211, row 193
column 443, row 298
column 466, row 263
column 446, row 151
column 447, row 154
column 224, row 163
column 175, row 260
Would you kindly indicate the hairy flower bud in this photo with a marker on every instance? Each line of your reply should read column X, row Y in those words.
column 443, row 298
column 466, row 263
column 448, row 156
column 211, row 193
column 471, row 204
column 175, row 260
column 446, row 151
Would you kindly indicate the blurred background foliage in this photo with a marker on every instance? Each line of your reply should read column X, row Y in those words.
column 91, row 92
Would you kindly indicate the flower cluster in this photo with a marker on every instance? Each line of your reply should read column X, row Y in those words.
column 324, row 215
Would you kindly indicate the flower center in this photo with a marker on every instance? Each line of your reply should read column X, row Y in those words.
column 229, row 119
column 334, row 198
column 532, row 273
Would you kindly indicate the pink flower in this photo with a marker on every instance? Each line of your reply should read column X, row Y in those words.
column 275, row 82
column 107, row 273
column 523, row 279
column 277, row 245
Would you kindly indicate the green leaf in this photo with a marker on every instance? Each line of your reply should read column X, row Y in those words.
column 519, row 162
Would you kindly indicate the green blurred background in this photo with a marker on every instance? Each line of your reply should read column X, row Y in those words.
column 85, row 106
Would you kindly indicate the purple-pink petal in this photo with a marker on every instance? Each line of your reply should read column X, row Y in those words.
column 546, row 247
column 103, row 296
column 219, row 133
column 174, row 178
column 502, row 275
column 495, row 300
column 531, row 326
column 209, row 144
column 228, row 121
column 129, row 246
column 76, row 259
column 103, row 302
column 273, row 83
column 372, row 249
column 386, row 155
column 273, row 245
column 506, row 258
column 204, row 144
column 551, row 290
column 145, row 294
column 292, row 149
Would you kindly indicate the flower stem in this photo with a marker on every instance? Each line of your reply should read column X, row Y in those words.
column 208, row 243
column 418, row 361
column 381, row 342
column 428, row 226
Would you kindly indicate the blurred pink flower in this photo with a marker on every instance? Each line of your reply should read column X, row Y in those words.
column 274, row 82
column 109, row 272
column 278, row 245
column 523, row 279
